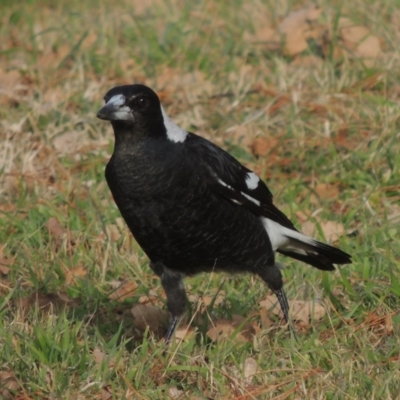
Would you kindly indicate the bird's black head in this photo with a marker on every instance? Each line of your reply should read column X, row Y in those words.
column 137, row 109
column 131, row 104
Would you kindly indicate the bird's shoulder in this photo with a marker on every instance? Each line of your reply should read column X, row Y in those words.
column 233, row 181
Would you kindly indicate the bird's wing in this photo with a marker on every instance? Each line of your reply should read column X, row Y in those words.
column 231, row 180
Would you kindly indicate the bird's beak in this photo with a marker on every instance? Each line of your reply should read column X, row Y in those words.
column 107, row 112
column 116, row 110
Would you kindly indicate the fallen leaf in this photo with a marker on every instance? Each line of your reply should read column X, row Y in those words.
column 184, row 332
column 153, row 318
column 106, row 393
column 73, row 273
column 113, row 232
column 8, row 385
column 99, row 356
column 300, row 311
column 124, row 291
column 298, row 27
column 9, row 81
column 262, row 146
column 56, row 231
column 174, row 392
column 324, row 191
column 4, row 262
column 68, row 142
column 45, row 302
column 224, row 328
column 250, row 369
column 359, row 40
column 332, row 230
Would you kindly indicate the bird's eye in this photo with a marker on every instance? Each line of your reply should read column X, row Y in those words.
column 141, row 102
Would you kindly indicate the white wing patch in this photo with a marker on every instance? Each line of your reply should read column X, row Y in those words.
column 174, row 132
column 280, row 237
column 252, row 180
column 251, row 198
column 255, row 201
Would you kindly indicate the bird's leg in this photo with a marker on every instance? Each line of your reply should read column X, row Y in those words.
column 172, row 283
column 272, row 276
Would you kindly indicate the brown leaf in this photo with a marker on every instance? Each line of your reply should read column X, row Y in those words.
column 56, row 231
column 124, row 291
column 106, row 393
column 113, row 232
column 332, row 230
column 300, row 311
column 175, row 393
column 224, row 328
column 297, row 27
column 324, row 191
column 100, row 356
column 45, row 302
column 359, row 40
column 9, row 81
column 4, row 262
column 8, row 385
column 184, row 332
column 148, row 316
column 250, row 369
column 262, row 145
column 73, row 273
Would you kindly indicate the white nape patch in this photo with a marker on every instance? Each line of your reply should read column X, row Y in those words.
column 252, row 180
column 280, row 237
column 117, row 100
column 174, row 132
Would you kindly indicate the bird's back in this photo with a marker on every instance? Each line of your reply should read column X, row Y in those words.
column 163, row 194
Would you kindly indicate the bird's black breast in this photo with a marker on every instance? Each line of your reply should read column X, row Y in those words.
column 164, row 195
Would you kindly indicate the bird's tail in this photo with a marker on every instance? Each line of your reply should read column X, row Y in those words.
column 310, row 251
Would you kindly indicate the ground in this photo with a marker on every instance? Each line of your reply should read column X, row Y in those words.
column 306, row 96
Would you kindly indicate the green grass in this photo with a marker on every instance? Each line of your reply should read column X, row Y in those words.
column 58, row 60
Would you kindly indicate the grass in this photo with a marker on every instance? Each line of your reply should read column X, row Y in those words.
column 63, row 334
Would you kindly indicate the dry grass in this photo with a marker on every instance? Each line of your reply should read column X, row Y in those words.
column 321, row 126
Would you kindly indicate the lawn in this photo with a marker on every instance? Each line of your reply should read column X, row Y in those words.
column 307, row 97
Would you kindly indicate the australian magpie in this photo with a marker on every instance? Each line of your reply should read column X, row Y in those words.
column 192, row 207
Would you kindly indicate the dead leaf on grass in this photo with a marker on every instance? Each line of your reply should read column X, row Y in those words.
column 8, row 385
column 184, row 332
column 324, row 191
column 332, row 230
column 5, row 262
column 175, row 393
column 106, row 393
column 359, row 40
column 45, row 302
column 224, row 328
column 298, row 27
column 99, row 356
column 56, row 231
column 73, row 273
column 153, row 318
column 262, row 145
column 300, row 311
column 9, row 81
column 123, row 290
column 250, row 369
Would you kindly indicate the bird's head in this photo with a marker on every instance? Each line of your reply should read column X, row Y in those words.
column 131, row 104
column 137, row 109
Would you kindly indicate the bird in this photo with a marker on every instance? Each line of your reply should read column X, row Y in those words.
column 192, row 207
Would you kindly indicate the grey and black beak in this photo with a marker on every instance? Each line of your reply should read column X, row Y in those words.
column 116, row 110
